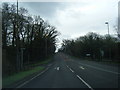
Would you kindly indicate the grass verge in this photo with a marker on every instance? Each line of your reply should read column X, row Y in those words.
column 32, row 68
column 18, row 76
column 43, row 62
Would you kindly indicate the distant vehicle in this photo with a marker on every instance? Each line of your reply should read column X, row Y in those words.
column 88, row 55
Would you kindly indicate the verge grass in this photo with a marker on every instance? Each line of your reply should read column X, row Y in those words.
column 21, row 75
column 18, row 76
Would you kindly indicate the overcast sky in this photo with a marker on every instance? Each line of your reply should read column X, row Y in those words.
column 74, row 19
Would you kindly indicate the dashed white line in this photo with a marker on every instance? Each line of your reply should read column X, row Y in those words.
column 81, row 79
column 32, row 78
column 67, row 66
column 85, row 82
column 71, row 70
column 58, row 68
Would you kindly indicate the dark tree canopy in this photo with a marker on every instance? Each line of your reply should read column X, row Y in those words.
column 22, row 31
column 94, row 44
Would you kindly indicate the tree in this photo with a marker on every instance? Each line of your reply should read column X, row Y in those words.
column 20, row 30
column 93, row 44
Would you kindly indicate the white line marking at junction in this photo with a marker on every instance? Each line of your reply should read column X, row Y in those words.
column 71, row 70
column 85, row 82
column 82, row 67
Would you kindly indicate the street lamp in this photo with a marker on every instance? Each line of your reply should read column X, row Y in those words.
column 17, row 44
column 108, row 34
column 108, row 26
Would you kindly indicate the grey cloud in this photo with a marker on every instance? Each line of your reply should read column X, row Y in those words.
column 45, row 9
column 71, row 22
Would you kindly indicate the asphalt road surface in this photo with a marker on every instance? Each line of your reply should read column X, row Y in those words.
column 65, row 72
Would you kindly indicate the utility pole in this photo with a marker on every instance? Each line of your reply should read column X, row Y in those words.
column 119, row 20
column 109, row 38
column 107, row 26
column 17, row 43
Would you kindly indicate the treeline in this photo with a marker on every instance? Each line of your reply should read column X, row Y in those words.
column 25, row 38
column 93, row 46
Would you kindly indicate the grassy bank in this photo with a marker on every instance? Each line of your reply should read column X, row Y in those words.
column 43, row 62
column 33, row 68
column 18, row 76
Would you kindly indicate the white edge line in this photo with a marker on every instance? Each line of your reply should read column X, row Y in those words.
column 85, row 82
column 31, row 78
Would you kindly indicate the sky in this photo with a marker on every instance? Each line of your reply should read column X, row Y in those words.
column 74, row 19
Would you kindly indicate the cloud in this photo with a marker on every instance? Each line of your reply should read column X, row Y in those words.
column 44, row 9
column 74, row 19
column 91, row 17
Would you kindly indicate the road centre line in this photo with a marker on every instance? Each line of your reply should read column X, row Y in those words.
column 85, row 82
column 32, row 78
column 67, row 66
column 99, row 69
column 71, row 70
column 81, row 79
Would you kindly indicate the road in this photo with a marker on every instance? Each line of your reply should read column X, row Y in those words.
column 65, row 72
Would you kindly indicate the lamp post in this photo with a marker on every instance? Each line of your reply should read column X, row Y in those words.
column 17, row 43
column 107, row 26
column 109, row 38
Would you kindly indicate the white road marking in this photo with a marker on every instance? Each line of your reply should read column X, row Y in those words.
column 85, row 82
column 100, row 69
column 32, row 78
column 67, row 66
column 81, row 79
column 71, row 70
column 82, row 67
column 58, row 68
